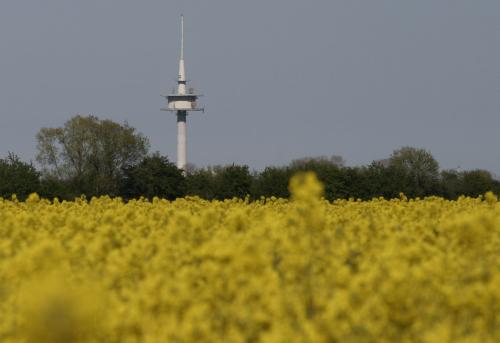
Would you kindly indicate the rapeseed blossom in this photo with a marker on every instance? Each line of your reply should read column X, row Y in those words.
column 304, row 270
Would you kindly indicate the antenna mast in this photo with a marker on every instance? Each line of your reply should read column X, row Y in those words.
column 182, row 36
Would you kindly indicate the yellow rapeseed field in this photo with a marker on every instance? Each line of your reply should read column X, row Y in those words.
column 275, row 270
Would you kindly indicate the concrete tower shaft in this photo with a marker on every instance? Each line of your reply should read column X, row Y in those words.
column 181, row 140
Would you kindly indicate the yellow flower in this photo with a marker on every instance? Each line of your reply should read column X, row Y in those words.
column 490, row 197
column 306, row 186
column 33, row 198
column 274, row 270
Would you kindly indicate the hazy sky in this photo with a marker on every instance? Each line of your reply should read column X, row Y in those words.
column 282, row 79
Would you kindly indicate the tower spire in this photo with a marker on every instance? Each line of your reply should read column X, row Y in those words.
column 182, row 70
column 182, row 36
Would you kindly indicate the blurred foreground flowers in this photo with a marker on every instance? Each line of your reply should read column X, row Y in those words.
column 303, row 270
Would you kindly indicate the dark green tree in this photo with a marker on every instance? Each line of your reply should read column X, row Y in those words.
column 477, row 182
column 18, row 177
column 52, row 187
column 201, row 182
column 272, row 181
column 358, row 184
column 328, row 171
column 154, row 176
column 232, row 181
column 387, row 180
column 451, row 184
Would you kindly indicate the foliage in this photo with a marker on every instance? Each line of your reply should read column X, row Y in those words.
column 272, row 181
column 386, row 180
column 17, row 177
column 470, row 183
column 87, row 156
column 476, row 182
column 301, row 270
column 451, row 184
column 220, row 182
column 201, row 183
column 232, row 181
column 328, row 171
column 52, row 187
column 154, row 176
column 90, row 153
column 335, row 160
column 420, row 169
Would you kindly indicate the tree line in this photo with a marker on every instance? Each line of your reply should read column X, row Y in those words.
column 93, row 157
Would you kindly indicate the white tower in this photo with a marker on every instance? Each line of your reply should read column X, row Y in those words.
column 182, row 102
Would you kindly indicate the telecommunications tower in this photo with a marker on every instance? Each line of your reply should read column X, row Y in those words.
column 182, row 101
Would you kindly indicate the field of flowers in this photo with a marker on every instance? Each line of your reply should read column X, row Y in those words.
column 303, row 270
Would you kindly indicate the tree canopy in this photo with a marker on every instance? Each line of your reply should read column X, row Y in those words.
column 90, row 153
column 154, row 176
column 419, row 168
column 91, row 156
column 18, row 177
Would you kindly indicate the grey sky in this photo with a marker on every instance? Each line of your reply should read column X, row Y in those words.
column 282, row 79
